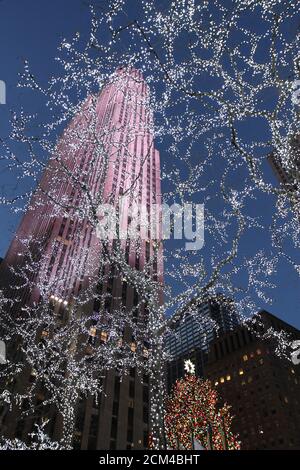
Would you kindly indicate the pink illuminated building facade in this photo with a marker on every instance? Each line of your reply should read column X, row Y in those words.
column 105, row 155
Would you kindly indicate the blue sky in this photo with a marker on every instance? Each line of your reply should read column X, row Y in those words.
column 32, row 30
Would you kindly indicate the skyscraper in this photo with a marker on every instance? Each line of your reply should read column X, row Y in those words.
column 262, row 387
column 105, row 155
column 191, row 338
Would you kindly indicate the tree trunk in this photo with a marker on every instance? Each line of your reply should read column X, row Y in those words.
column 68, row 423
column 157, row 397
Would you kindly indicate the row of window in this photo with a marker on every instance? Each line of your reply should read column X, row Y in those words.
column 246, row 357
column 239, row 373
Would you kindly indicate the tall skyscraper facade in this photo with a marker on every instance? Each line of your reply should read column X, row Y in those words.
column 105, row 156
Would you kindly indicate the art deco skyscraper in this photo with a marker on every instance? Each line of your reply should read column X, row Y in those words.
column 106, row 153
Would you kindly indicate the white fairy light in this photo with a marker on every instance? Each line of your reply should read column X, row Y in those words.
column 189, row 366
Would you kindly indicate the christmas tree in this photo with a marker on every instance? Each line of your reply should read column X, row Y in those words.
column 192, row 416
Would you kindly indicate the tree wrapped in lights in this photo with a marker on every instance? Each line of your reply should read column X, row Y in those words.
column 192, row 414
column 40, row 441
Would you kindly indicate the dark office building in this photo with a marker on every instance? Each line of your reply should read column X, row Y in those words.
column 262, row 388
column 190, row 339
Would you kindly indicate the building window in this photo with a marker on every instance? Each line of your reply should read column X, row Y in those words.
column 124, row 292
column 241, row 372
column 117, row 387
column 130, row 417
column 92, row 443
column 245, row 358
column 93, row 331
column 131, row 389
column 145, row 414
column 228, row 377
column 115, row 409
column 129, row 435
column 112, row 445
column 114, row 428
column 222, row 380
column 103, row 336
column 145, row 439
column 145, row 394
